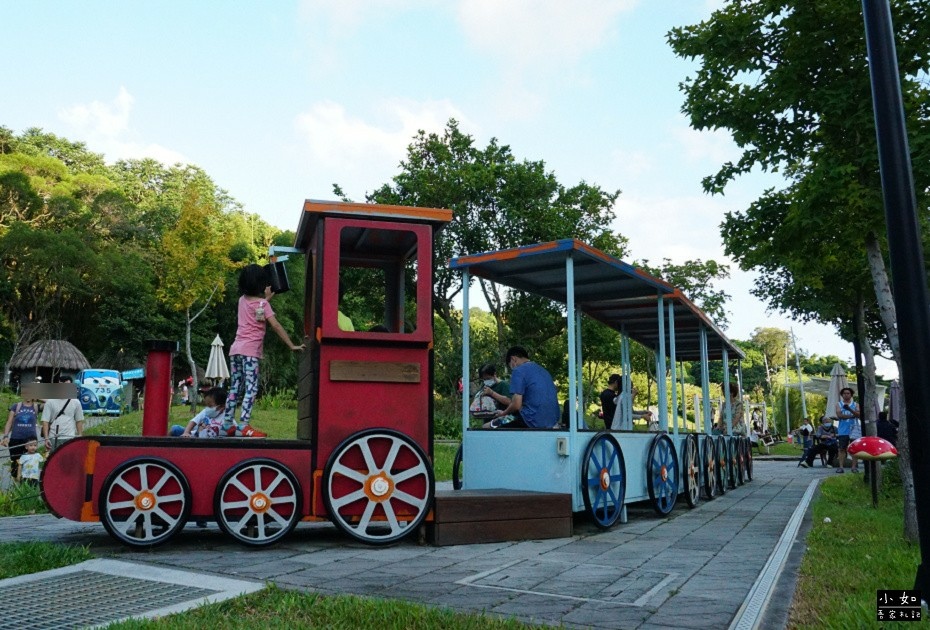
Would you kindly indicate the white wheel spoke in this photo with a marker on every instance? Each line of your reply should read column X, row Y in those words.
column 143, row 477
column 286, row 499
column 171, row 498
column 161, row 482
column 235, row 483
column 257, row 475
column 122, row 483
column 409, row 473
column 260, row 520
column 392, row 455
column 120, row 505
column 131, row 522
column 349, row 498
column 147, row 525
column 169, row 520
column 391, row 517
column 408, row 499
column 275, row 483
column 235, row 505
column 366, row 516
column 277, row 518
column 352, row 474
column 245, row 519
column 369, row 458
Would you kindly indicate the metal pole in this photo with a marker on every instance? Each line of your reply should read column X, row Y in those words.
column 662, row 384
column 673, row 375
column 907, row 259
column 570, row 321
column 705, row 382
column 466, row 353
column 579, row 358
column 726, row 392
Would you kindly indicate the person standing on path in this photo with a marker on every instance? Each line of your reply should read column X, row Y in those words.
column 20, row 430
column 847, row 412
column 62, row 418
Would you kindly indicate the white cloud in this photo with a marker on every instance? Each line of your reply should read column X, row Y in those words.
column 716, row 146
column 360, row 154
column 525, row 32
column 105, row 127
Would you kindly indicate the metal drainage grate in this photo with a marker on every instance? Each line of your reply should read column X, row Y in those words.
column 98, row 592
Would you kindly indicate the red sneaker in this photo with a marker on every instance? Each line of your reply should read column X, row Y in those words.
column 253, row 433
column 231, row 431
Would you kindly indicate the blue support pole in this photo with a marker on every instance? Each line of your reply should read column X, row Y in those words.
column 579, row 356
column 660, row 370
column 705, row 382
column 673, row 375
column 726, row 391
column 466, row 351
column 572, row 356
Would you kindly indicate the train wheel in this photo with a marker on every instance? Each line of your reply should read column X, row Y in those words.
column 144, row 502
column 603, row 478
column 732, row 462
column 691, row 465
column 709, row 458
column 378, row 486
column 257, row 502
column 662, row 474
column 740, row 460
column 748, row 460
column 457, row 469
column 723, row 467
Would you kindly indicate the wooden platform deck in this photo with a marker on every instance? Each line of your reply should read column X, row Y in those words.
column 482, row 516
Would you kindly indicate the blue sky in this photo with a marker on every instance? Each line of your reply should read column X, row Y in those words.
column 278, row 100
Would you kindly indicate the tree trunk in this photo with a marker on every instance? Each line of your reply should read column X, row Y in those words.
column 868, row 404
column 886, row 309
column 192, row 393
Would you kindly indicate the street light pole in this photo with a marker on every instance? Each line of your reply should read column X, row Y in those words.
column 907, row 259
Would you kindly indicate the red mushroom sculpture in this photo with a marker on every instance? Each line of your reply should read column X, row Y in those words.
column 873, row 449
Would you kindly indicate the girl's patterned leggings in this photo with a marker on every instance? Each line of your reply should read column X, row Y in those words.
column 243, row 375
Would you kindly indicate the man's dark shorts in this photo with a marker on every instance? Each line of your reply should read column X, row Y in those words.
column 843, row 441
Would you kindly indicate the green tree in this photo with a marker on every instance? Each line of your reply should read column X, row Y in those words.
column 194, row 261
column 790, row 80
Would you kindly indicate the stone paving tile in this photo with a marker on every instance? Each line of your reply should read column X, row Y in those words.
column 686, row 611
column 605, row 615
column 473, row 599
column 541, row 607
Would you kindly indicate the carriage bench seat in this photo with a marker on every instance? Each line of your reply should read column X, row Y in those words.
column 481, row 516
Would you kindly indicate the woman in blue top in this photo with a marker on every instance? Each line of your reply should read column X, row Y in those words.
column 20, row 429
column 847, row 412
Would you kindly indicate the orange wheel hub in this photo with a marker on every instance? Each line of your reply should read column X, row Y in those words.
column 379, row 487
column 663, row 473
column 145, row 500
column 605, row 479
column 259, row 502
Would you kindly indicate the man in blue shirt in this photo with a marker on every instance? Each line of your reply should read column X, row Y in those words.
column 533, row 400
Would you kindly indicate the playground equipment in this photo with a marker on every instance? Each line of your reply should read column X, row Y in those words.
column 605, row 470
column 363, row 454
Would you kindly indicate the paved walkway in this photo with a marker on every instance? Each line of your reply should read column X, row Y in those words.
column 693, row 570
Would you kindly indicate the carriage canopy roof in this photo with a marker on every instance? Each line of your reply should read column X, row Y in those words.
column 607, row 289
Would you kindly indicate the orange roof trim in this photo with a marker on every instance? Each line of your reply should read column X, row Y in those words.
column 376, row 209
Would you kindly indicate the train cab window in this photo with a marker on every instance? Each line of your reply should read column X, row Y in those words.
column 377, row 279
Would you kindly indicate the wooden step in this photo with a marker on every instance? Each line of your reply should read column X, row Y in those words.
column 463, row 517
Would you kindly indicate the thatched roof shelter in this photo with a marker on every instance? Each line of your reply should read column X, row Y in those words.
column 52, row 353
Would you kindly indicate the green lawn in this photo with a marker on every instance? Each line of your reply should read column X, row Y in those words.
column 274, row 607
column 860, row 551
column 32, row 557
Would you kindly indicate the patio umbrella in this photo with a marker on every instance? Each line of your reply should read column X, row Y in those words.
column 895, row 411
column 837, row 382
column 216, row 366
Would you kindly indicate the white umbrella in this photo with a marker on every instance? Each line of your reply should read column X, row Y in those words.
column 216, row 366
column 837, row 382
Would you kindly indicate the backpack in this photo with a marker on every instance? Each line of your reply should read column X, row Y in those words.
column 482, row 404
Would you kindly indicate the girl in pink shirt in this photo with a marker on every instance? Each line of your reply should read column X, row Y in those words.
column 246, row 351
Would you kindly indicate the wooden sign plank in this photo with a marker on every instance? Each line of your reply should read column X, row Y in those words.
column 374, row 371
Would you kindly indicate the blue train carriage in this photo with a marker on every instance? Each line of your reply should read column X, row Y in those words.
column 100, row 392
column 604, row 470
